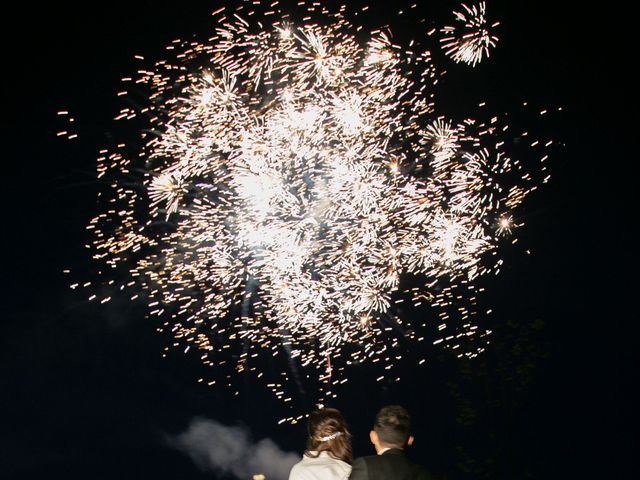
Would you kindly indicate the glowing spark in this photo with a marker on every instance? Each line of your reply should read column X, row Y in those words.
column 504, row 225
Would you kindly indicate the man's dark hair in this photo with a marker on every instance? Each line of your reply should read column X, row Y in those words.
column 393, row 424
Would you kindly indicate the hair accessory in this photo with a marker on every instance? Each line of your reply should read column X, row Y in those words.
column 330, row 437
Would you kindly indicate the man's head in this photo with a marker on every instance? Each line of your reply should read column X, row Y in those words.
column 391, row 428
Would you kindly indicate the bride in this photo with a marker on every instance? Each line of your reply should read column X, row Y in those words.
column 328, row 455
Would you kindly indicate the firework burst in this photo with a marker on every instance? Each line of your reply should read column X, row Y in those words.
column 291, row 176
column 471, row 39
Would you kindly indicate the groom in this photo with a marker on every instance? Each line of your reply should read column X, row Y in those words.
column 390, row 435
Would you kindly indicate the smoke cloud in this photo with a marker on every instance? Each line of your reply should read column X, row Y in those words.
column 231, row 450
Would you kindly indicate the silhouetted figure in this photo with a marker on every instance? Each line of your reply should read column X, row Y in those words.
column 390, row 436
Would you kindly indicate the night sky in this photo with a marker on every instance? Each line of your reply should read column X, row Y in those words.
column 84, row 389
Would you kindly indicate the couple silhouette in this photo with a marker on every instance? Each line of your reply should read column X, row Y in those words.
column 329, row 455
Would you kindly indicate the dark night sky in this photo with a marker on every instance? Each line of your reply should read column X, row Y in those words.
column 84, row 390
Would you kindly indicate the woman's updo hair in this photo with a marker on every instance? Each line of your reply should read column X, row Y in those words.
column 328, row 432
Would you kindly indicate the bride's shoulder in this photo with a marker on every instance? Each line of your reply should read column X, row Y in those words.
column 340, row 468
column 322, row 467
column 298, row 471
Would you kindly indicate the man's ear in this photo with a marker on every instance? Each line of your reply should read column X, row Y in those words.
column 410, row 440
column 373, row 436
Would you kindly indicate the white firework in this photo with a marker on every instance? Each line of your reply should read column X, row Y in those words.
column 471, row 40
column 303, row 174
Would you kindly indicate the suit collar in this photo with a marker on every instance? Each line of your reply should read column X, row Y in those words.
column 393, row 451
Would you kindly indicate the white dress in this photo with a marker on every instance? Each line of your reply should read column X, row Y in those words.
column 324, row 467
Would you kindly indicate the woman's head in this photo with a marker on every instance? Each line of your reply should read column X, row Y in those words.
column 328, row 432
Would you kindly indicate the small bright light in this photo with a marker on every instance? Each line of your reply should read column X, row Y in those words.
column 285, row 33
column 206, row 97
column 504, row 225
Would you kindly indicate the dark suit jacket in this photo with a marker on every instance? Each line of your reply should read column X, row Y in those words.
column 391, row 465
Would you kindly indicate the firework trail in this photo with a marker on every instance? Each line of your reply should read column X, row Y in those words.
column 291, row 176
